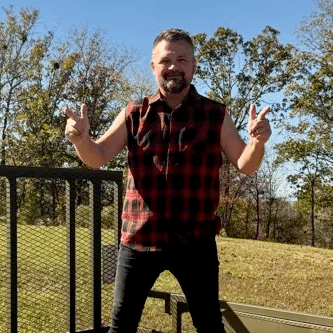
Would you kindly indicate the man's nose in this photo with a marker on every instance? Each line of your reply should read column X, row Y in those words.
column 172, row 67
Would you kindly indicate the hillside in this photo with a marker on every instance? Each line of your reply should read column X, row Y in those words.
column 288, row 277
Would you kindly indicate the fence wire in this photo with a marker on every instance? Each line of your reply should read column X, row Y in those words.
column 43, row 241
column 3, row 259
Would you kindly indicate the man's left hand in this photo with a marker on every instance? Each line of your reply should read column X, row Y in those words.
column 258, row 126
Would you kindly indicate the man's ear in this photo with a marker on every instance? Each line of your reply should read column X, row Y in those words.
column 152, row 64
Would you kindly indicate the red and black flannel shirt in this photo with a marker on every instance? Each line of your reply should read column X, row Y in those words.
column 174, row 158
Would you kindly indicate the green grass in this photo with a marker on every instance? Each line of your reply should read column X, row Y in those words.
column 43, row 279
column 288, row 277
column 282, row 276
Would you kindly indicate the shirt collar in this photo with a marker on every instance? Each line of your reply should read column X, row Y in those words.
column 193, row 95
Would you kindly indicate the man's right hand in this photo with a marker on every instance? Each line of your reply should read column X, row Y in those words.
column 77, row 128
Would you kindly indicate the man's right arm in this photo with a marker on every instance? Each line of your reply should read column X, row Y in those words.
column 99, row 152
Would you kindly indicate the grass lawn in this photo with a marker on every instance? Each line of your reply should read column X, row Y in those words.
column 282, row 276
column 289, row 277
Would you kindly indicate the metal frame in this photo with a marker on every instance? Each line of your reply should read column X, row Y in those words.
column 70, row 175
column 242, row 318
column 238, row 318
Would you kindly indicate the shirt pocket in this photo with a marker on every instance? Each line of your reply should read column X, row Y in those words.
column 186, row 138
column 147, row 140
column 192, row 140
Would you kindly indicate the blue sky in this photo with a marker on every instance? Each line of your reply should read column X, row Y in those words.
column 135, row 23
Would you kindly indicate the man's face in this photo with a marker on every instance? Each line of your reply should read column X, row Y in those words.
column 173, row 65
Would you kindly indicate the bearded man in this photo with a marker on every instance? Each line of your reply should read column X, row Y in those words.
column 175, row 140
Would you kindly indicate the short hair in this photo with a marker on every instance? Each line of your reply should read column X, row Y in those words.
column 173, row 35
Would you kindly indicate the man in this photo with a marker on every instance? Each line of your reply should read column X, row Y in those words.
column 174, row 141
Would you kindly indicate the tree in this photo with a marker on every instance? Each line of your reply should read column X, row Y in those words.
column 135, row 85
column 232, row 191
column 83, row 69
column 312, row 93
column 271, row 172
column 309, row 98
column 97, row 72
column 16, row 66
column 315, row 31
column 36, row 135
column 239, row 73
column 325, row 218
column 307, row 153
column 290, row 225
column 253, row 203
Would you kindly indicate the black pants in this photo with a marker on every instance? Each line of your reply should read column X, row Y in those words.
column 194, row 266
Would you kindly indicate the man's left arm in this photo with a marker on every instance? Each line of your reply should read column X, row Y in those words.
column 246, row 157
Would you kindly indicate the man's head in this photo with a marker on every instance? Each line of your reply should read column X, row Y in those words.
column 173, row 60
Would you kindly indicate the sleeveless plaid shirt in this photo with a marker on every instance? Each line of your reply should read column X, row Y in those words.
column 174, row 158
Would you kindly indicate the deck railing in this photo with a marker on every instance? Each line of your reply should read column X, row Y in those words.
column 54, row 259
column 60, row 231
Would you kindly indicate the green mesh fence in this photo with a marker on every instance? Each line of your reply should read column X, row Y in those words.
column 43, row 210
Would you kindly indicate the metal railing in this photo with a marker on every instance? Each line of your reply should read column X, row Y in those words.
column 50, row 219
column 48, row 263
column 242, row 318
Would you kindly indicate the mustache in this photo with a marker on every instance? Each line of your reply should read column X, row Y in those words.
column 167, row 75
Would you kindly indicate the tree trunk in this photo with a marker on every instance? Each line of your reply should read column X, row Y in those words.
column 312, row 216
column 258, row 216
column 269, row 217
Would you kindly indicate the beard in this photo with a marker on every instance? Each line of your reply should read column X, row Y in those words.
column 174, row 85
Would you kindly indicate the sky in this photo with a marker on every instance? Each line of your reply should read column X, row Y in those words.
column 135, row 23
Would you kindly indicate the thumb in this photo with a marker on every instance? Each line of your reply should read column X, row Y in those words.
column 263, row 113
column 84, row 111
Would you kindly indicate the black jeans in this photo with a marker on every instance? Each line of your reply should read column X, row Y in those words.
column 196, row 268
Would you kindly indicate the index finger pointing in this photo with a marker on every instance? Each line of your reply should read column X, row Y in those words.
column 84, row 111
column 263, row 113
column 252, row 112
column 71, row 114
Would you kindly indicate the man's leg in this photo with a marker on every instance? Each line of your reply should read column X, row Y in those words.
column 196, row 268
column 135, row 276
